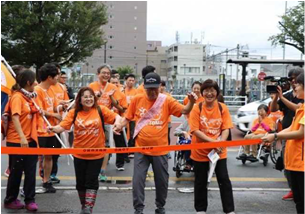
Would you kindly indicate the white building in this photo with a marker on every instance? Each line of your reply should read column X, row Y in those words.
column 186, row 64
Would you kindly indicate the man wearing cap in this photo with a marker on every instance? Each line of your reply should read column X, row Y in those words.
column 151, row 111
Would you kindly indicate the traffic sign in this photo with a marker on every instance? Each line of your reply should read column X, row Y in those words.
column 261, row 76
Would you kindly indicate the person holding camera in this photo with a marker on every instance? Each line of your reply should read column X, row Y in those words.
column 287, row 103
column 294, row 151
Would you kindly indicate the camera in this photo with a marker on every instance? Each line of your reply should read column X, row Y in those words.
column 283, row 82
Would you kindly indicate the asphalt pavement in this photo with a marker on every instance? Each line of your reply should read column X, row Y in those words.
column 256, row 189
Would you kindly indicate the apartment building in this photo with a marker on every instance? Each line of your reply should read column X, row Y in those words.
column 125, row 33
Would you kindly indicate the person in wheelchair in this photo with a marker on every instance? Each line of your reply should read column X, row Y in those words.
column 183, row 131
column 262, row 125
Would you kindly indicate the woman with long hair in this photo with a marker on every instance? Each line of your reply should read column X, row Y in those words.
column 88, row 119
column 22, row 132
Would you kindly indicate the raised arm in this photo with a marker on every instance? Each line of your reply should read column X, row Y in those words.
column 188, row 107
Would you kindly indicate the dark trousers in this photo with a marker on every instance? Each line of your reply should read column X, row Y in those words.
column 131, row 142
column 297, row 186
column 119, row 142
column 201, row 188
column 20, row 163
column 55, row 160
column 160, row 169
column 87, row 172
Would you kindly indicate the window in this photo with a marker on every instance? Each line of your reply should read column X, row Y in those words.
column 110, row 46
column 110, row 36
column 135, row 7
column 110, row 57
column 134, row 47
column 163, row 61
column 135, row 18
column 176, row 49
column 111, row 6
column 175, row 58
column 111, row 16
column 111, row 26
column 135, row 28
column 135, row 37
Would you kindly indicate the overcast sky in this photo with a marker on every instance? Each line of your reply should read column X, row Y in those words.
column 224, row 24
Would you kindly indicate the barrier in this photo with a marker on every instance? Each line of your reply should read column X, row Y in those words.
column 67, row 151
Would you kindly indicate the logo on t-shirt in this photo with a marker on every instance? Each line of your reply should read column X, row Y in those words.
column 90, row 127
column 156, row 121
column 211, row 126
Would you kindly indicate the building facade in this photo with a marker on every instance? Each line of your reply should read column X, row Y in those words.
column 157, row 57
column 125, row 34
column 186, row 64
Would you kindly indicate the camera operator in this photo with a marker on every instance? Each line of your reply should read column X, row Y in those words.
column 288, row 104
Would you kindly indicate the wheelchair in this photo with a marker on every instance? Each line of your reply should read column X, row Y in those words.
column 180, row 158
column 274, row 150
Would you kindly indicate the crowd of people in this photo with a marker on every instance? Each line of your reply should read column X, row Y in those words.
column 37, row 112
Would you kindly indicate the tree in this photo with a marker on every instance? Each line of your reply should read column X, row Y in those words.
column 37, row 32
column 124, row 70
column 292, row 28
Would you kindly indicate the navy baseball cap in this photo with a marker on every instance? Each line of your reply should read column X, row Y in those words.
column 152, row 80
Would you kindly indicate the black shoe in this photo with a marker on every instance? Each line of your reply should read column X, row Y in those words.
column 49, row 187
column 54, row 179
column 264, row 157
column 243, row 155
column 252, row 158
column 160, row 211
column 127, row 160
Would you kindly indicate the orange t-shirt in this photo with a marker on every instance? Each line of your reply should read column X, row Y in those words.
column 130, row 93
column 155, row 132
column 276, row 115
column 211, row 122
column 141, row 89
column 46, row 101
column 60, row 92
column 260, row 130
column 20, row 105
column 122, row 102
column 294, row 151
column 168, row 94
column 88, row 130
column 186, row 100
column 104, row 99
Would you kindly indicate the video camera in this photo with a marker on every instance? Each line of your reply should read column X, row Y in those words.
column 283, row 82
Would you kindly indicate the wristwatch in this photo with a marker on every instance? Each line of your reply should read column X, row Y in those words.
column 275, row 137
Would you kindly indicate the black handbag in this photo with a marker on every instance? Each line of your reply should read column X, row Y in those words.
column 279, row 165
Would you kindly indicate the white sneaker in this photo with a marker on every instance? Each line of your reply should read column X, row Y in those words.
column 201, row 212
column 120, row 168
column 231, row 213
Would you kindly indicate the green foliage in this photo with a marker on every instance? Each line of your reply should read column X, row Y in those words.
column 124, row 70
column 37, row 32
column 292, row 28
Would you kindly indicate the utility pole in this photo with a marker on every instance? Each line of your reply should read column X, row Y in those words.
column 284, row 35
column 105, row 52
column 284, row 71
column 237, row 64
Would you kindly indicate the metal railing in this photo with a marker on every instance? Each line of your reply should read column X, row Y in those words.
column 231, row 101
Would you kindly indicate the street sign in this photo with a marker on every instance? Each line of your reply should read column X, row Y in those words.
column 261, row 76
